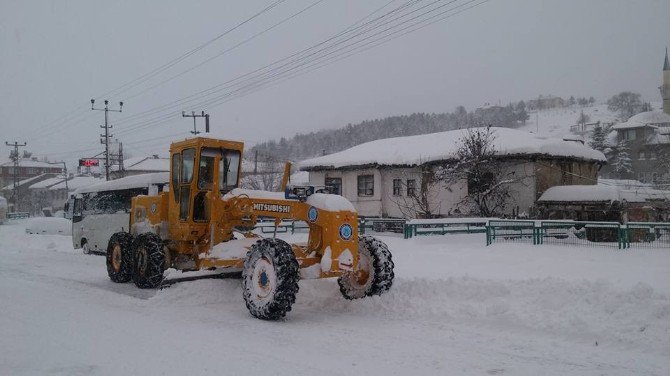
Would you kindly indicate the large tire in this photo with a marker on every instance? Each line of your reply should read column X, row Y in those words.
column 270, row 279
column 120, row 257
column 149, row 261
column 375, row 271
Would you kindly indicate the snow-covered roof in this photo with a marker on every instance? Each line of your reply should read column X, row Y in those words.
column 134, row 181
column 31, row 163
column 645, row 119
column 77, row 182
column 416, row 150
column 46, row 183
column 152, row 163
column 601, row 193
column 26, row 181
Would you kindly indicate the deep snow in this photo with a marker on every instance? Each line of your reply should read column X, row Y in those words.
column 457, row 307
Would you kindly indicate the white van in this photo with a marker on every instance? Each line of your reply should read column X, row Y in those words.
column 102, row 209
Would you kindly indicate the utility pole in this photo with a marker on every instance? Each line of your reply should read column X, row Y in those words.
column 106, row 127
column 194, row 116
column 67, row 189
column 14, row 156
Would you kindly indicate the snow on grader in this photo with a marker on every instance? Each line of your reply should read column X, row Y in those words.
column 204, row 222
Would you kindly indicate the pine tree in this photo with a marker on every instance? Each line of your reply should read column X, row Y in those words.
column 622, row 162
column 598, row 141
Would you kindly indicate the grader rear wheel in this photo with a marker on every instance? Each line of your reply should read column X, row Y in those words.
column 120, row 257
column 375, row 271
column 270, row 279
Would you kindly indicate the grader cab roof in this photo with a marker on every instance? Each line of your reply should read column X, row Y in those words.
column 197, row 142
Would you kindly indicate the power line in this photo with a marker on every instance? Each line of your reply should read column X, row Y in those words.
column 225, row 84
column 231, row 83
column 228, row 49
column 259, row 81
column 132, row 83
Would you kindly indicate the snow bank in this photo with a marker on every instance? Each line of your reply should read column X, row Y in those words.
column 416, row 150
column 49, row 226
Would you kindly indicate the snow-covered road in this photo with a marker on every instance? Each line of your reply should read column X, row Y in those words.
column 457, row 308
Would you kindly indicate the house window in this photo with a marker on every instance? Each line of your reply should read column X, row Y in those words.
column 411, row 187
column 366, row 185
column 397, row 187
column 641, row 156
column 628, row 134
column 652, row 155
column 334, row 185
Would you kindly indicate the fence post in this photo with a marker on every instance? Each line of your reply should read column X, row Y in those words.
column 488, row 236
column 361, row 225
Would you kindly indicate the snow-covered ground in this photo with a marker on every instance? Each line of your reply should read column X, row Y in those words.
column 456, row 308
column 556, row 122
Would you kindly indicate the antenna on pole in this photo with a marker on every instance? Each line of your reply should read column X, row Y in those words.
column 193, row 115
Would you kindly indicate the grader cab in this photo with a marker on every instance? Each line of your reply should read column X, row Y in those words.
column 205, row 222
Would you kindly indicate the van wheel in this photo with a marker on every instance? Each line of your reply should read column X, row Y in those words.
column 120, row 257
column 149, row 262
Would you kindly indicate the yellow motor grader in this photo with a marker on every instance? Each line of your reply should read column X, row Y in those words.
column 204, row 222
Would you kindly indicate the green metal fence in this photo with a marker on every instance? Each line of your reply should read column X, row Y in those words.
column 511, row 231
column 445, row 227
column 647, row 235
column 592, row 234
column 581, row 233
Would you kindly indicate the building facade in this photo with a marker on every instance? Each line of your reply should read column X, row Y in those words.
column 394, row 178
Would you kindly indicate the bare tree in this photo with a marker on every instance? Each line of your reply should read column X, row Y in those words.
column 420, row 201
column 489, row 179
column 626, row 104
column 266, row 174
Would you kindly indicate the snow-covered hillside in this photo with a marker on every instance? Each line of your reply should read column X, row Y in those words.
column 556, row 122
column 457, row 307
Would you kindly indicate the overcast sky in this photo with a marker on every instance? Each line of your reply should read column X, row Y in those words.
column 56, row 55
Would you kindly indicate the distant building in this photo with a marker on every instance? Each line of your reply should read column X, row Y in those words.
column 141, row 165
column 647, row 135
column 379, row 176
column 605, row 202
column 28, row 168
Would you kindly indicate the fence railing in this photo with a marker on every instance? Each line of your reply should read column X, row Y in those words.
column 445, row 226
column 582, row 233
column 18, row 215
column 511, row 230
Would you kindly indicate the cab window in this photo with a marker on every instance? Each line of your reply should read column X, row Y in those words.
column 187, row 161
column 228, row 170
column 176, row 159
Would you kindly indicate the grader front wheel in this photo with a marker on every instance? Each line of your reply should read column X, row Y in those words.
column 270, row 279
column 375, row 271
column 149, row 261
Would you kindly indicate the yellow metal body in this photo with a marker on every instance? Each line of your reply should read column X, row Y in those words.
column 203, row 209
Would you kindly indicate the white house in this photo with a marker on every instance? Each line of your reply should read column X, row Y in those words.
column 379, row 176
